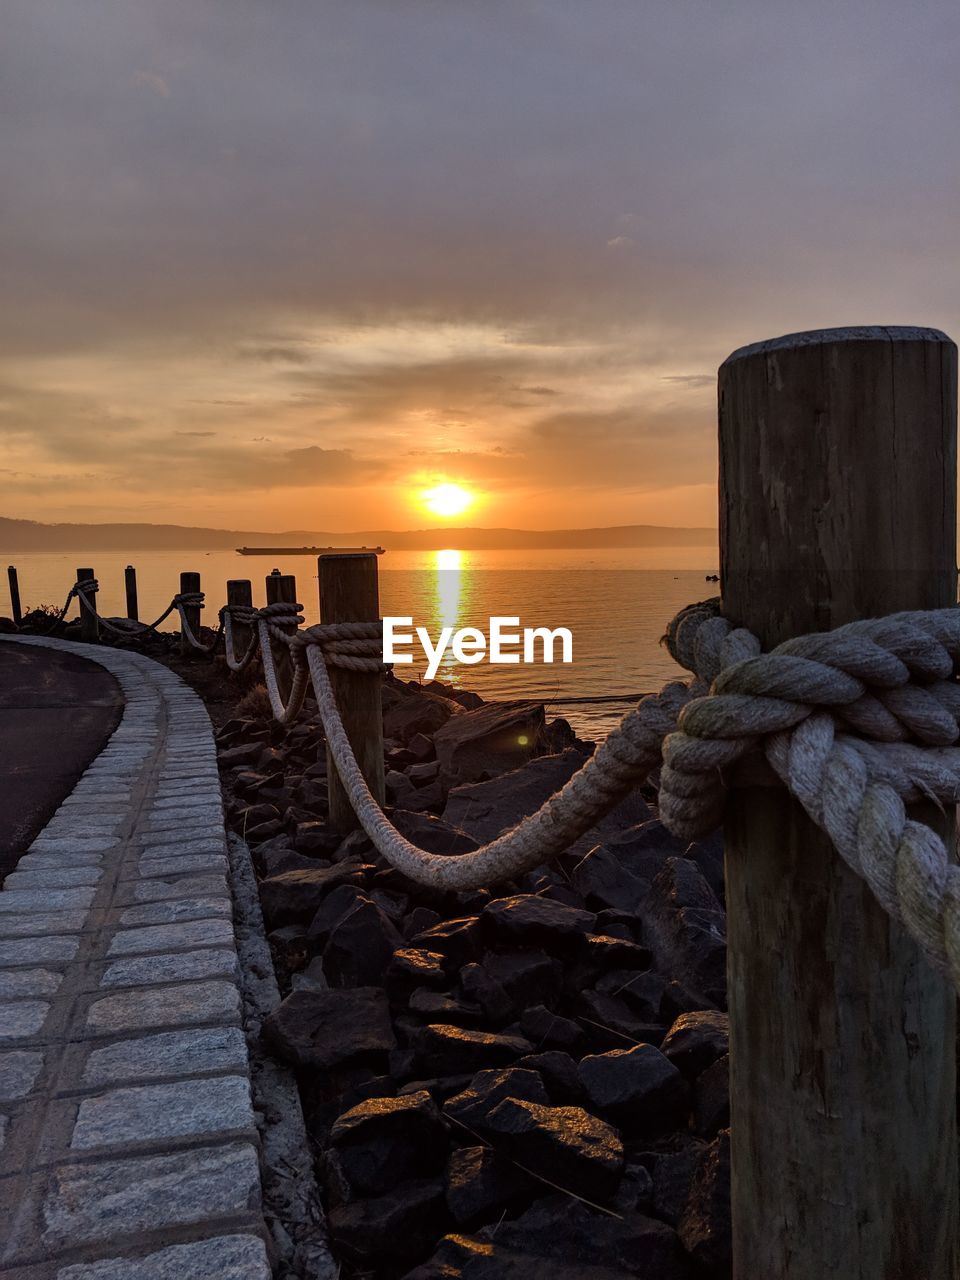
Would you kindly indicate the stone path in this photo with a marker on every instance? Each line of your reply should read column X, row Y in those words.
column 128, row 1145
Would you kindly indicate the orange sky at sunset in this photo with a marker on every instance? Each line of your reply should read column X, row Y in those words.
column 270, row 266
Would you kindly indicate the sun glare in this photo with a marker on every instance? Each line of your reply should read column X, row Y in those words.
column 447, row 500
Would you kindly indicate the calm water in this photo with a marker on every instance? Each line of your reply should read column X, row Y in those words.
column 616, row 603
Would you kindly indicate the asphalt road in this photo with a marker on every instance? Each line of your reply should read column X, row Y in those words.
column 56, row 712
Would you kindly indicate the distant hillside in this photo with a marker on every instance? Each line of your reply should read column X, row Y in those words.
column 30, row 535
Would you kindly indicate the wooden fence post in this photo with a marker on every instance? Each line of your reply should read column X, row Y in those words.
column 349, row 593
column 282, row 588
column 190, row 582
column 837, row 502
column 240, row 591
column 89, row 623
column 130, row 583
column 15, row 607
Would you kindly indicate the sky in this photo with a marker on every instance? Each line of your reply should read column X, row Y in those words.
column 279, row 264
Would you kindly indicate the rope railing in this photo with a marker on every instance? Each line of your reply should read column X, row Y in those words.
column 856, row 723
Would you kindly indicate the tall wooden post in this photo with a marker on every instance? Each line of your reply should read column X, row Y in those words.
column 16, row 608
column 349, row 593
column 837, row 502
column 282, row 587
column 240, row 591
column 190, row 582
column 89, row 622
column 130, row 585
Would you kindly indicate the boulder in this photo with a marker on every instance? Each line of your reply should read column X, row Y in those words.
column 559, row 1073
column 528, row 977
column 543, row 1027
column 711, row 1099
column 565, row 1145
column 298, row 894
column 458, row 939
column 573, row 1233
column 460, row 1257
column 420, row 713
column 413, row 967
column 673, row 1173
column 487, row 1090
column 696, row 1040
column 481, row 1186
column 359, row 947
column 385, row 1141
column 704, row 1226
column 447, row 1050
column 326, row 1028
column 528, row 921
column 637, row 1087
column 400, row 1225
column 487, row 809
column 490, row 740
column 605, row 882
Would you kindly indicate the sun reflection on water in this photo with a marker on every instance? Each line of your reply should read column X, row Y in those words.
column 447, row 602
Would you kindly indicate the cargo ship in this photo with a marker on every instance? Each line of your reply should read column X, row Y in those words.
column 309, row 551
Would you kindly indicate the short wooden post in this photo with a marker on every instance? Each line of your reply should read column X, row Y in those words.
column 349, row 593
column 130, row 584
column 89, row 622
column 282, row 588
column 837, row 502
column 16, row 609
column 240, row 591
column 189, row 582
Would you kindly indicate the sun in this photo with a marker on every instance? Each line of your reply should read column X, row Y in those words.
column 447, row 500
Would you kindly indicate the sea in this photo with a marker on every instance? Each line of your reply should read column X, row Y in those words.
column 616, row 604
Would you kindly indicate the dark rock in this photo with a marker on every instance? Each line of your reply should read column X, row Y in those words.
column 440, row 1088
column 399, row 1225
column 643, row 992
column 385, row 1141
column 574, row 1233
column 458, row 940
column 488, row 741
column 420, row 774
column 604, row 882
column 420, row 747
column 430, row 796
column 399, row 788
column 414, row 967
column 297, row 895
column 672, row 1177
column 704, row 1226
column 486, row 809
column 338, row 903
column 441, row 1006
column 419, row 920
column 542, row 1027
column 275, row 856
column 393, row 905
column 487, row 1089
column 360, row 946
column 263, row 831
column 604, row 951
column 290, row 947
column 316, row 838
column 246, row 753
column 559, row 1073
column 611, row 1021
column 687, row 929
column 711, row 1099
column 696, row 1040
column 637, row 1087
column 424, row 713
column 460, row 1257
column 325, row 1028
column 526, row 920
column 479, row 987
column 528, row 977
column 448, row 1050
column 566, row 1145
column 480, row 1186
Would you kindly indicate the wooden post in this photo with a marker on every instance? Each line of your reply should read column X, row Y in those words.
column 349, row 593
column 89, row 623
column 240, row 591
column 190, row 582
column 282, row 587
column 15, row 606
column 837, row 502
column 130, row 583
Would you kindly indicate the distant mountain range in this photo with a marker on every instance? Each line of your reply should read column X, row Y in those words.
column 31, row 535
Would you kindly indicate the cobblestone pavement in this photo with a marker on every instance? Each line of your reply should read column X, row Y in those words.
column 128, row 1148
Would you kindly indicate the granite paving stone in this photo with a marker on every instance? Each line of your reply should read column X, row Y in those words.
column 175, row 909
column 177, row 966
column 156, row 1112
column 22, row 1018
column 19, row 1069
column 137, row 1010
column 221, row 1258
column 169, row 1053
column 164, row 937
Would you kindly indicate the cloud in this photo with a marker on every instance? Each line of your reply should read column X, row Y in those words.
column 152, row 82
column 199, row 435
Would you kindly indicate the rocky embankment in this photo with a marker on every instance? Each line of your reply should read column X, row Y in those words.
column 523, row 1081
